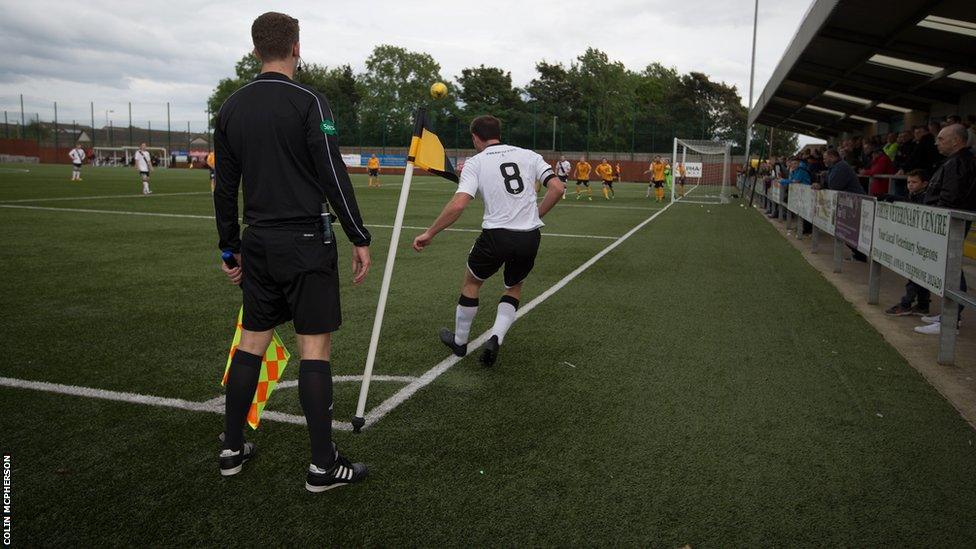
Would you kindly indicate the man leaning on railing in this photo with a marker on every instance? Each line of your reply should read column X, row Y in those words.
column 953, row 185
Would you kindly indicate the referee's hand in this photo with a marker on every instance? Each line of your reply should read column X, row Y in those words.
column 360, row 263
column 234, row 274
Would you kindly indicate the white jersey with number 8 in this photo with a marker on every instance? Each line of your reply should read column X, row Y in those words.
column 505, row 177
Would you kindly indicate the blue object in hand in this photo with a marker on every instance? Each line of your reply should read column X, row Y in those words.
column 229, row 259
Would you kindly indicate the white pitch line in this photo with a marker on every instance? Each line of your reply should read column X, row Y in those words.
column 568, row 364
column 219, row 400
column 207, row 406
column 103, row 197
column 117, row 212
column 191, row 216
column 405, row 393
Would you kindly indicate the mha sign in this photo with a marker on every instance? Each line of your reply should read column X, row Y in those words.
column 693, row 169
column 912, row 240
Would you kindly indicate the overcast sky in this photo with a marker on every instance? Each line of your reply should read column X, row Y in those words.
column 114, row 52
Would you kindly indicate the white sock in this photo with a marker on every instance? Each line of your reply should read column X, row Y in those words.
column 463, row 317
column 504, row 317
column 145, row 187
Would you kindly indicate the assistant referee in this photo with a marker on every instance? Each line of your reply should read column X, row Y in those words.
column 278, row 138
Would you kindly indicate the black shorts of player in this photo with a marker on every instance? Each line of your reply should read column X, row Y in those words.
column 145, row 175
column 562, row 178
column 681, row 180
column 77, row 166
column 374, row 173
column 583, row 182
column 290, row 274
column 213, row 174
column 516, row 250
column 608, row 183
column 658, row 184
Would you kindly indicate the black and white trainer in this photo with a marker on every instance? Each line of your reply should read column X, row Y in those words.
column 231, row 462
column 490, row 353
column 343, row 472
column 447, row 338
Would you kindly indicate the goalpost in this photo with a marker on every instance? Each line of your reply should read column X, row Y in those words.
column 707, row 167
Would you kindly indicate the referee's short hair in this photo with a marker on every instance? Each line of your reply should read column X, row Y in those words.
column 274, row 34
column 487, row 127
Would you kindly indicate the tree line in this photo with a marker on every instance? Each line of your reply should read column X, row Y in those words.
column 593, row 104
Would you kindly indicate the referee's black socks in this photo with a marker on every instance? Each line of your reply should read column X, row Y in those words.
column 242, row 381
column 315, row 394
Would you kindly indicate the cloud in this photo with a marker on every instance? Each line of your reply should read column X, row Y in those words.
column 113, row 52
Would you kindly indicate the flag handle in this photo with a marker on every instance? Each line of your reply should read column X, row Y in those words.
column 359, row 420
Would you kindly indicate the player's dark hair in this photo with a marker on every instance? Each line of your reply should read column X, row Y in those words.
column 833, row 153
column 274, row 34
column 487, row 127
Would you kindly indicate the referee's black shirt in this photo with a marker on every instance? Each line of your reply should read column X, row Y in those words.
column 278, row 139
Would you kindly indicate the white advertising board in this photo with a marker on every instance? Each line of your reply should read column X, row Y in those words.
column 912, row 240
column 824, row 206
column 352, row 160
column 693, row 169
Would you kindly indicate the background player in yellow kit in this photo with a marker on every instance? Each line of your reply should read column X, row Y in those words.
column 582, row 175
column 681, row 179
column 657, row 178
column 373, row 167
column 213, row 176
column 605, row 171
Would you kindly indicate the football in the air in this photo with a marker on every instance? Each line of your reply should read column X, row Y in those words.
column 438, row 90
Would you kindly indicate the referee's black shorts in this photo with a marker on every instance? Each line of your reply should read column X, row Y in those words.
column 289, row 274
column 516, row 250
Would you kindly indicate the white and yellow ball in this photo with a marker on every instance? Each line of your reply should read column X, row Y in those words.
column 438, row 90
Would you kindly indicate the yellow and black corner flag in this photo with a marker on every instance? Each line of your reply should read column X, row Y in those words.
column 426, row 150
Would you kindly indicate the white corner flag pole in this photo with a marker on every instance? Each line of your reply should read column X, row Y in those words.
column 360, row 418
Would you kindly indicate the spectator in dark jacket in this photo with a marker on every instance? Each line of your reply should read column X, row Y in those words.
column 841, row 177
column 916, row 299
column 953, row 186
column 924, row 155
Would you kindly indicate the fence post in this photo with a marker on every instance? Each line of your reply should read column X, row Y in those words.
column 169, row 135
column 130, row 123
column 874, row 282
column 838, row 254
column 953, row 279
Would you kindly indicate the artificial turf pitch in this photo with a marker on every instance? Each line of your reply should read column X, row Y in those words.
column 701, row 384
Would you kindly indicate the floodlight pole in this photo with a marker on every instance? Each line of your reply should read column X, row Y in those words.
column 752, row 77
column 92, row 105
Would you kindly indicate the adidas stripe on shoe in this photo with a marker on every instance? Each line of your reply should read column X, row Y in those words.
column 342, row 473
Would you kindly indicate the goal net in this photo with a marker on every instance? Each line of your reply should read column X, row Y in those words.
column 701, row 171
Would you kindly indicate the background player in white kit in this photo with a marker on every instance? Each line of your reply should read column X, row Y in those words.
column 77, row 156
column 143, row 164
column 563, row 167
column 505, row 178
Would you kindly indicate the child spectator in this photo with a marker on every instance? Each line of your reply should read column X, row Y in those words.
column 916, row 299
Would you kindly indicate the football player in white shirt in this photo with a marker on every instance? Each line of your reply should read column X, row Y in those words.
column 77, row 156
column 143, row 164
column 563, row 167
column 505, row 178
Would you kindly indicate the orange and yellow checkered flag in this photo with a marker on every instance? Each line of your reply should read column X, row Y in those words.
column 272, row 367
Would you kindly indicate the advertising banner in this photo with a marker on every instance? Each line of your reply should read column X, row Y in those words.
column 912, row 240
column 824, row 206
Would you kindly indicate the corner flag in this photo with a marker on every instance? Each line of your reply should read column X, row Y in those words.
column 426, row 150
